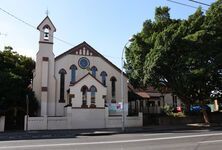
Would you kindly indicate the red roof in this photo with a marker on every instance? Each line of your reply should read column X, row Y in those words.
column 146, row 93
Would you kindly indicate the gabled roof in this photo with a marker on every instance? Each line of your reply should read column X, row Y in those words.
column 147, row 93
column 47, row 17
column 144, row 95
column 93, row 52
column 88, row 74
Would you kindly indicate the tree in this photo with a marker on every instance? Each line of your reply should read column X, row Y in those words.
column 15, row 77
column 143, row 43
column 184, row 55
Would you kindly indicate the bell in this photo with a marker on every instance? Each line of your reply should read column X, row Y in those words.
column 46, row 35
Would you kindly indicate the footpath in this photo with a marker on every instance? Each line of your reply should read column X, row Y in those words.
column 55, row 134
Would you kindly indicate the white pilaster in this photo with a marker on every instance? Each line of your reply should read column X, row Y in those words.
column 88, row 99
column 44, row 93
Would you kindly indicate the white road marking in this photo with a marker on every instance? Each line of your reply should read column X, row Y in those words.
column 206, row 142
column 109, row 142
column 157, row 134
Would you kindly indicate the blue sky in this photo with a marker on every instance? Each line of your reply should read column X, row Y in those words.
column 105, row 25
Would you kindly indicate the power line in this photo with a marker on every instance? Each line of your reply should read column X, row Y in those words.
column 28, row 24
column 199, row 2
column 184, row 4
column 16, row 17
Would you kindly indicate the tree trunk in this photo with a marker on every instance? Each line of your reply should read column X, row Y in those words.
column 205, row 116
column 187, row 105
column 216, row 107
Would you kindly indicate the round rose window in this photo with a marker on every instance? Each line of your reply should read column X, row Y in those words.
column 84, row 62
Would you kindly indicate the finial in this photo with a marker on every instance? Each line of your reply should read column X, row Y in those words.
column 47, row 12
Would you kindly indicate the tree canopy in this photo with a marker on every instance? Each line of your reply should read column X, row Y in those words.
column 15, row 77
column 185, row 55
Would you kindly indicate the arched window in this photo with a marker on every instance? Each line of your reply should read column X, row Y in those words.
column 62, row 73
column 94, row 69
column 113, row 87
column 84, row 91
column 103, row 75
column 46, row 32
column 93, row 95
column 73, row 69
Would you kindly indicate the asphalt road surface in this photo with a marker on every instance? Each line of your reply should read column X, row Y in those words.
column 172, row 140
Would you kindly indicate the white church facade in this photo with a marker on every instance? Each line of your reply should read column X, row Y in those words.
column 78, row 89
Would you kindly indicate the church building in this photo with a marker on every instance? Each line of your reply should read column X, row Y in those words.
column 80, row 88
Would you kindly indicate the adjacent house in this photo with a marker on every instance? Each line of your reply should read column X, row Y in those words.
column 150, row 100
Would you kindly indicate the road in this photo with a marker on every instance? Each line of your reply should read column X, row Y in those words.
column 172, row 140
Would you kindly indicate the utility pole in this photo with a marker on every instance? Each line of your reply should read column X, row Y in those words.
column 27, row 111
column 122, row 84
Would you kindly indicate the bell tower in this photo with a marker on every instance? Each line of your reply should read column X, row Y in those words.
column 44, row 80
column 46, row 29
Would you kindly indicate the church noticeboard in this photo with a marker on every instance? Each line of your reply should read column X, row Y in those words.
column 116, row 108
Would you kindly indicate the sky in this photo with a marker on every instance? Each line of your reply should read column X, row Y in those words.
column 106, row 25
